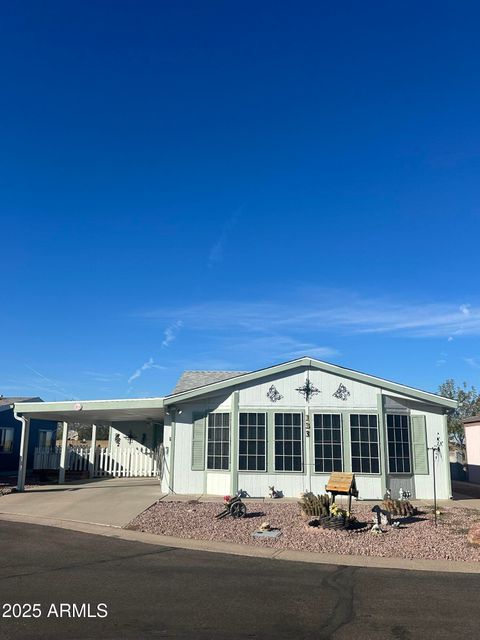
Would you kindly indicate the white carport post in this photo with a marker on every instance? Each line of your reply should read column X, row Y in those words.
column 22, row 464
column 91, row 457
column 63, row 454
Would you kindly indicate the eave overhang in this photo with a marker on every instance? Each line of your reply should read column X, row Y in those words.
column 385, row 385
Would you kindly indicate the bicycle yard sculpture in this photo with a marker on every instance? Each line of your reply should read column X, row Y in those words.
column 233, row 507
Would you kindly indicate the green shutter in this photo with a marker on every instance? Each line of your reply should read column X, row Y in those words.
column 419, row 445
column 198, row 441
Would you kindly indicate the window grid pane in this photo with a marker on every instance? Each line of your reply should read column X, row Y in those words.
column 218, row 441
column 398, row 444
column 251, row 442
column 364, row 443
column 288, row 442
column 327, row 433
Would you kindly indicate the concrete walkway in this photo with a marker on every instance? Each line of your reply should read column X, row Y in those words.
column 112, row 502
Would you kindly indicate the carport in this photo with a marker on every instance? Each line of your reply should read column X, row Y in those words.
column 145, row 414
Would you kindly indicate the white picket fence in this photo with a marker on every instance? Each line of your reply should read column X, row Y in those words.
column 127, row 463
column 113, row 461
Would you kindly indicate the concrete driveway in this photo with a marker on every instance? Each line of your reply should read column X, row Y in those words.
column 113, row 501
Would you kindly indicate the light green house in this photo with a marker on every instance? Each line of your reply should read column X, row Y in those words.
column 288, row 426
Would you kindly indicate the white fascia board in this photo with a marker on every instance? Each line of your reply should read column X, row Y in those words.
column 408, row 392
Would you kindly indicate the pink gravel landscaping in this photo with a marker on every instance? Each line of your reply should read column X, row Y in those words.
column 417, row 537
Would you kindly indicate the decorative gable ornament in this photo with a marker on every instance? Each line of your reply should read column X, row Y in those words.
column 273, row 394
column 342, row 393
column 308, row 390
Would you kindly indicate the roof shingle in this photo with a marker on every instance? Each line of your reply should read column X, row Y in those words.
column 192, row 379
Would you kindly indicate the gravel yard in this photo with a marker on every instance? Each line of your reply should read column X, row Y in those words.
column 416, row 538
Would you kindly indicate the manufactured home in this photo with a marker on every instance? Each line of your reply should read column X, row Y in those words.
column 289, row 425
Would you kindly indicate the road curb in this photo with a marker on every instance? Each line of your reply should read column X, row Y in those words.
column 231, row 548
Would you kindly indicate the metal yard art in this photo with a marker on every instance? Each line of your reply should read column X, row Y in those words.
column 233, row 507
column 435, row 449
column 308, row 390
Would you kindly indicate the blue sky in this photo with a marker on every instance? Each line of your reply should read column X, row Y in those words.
column 225, row 185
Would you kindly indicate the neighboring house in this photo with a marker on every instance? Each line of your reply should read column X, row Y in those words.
column 458, row 467
column 42, row 433
column 289, row 425
column 472, row 446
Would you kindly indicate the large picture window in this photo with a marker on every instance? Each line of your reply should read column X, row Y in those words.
column 218, row 441
column 6, row 440
column 364, row 443
column 288, row 442
column 398, row 444
column 251, row 443
column 327, row 433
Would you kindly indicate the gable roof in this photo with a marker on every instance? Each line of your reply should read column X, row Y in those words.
column 192, row 379
column 473, row 419
column 305, row 361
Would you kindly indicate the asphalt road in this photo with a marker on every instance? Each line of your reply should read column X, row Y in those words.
column 159, row 592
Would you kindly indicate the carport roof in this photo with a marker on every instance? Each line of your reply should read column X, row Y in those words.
column 95, row 411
